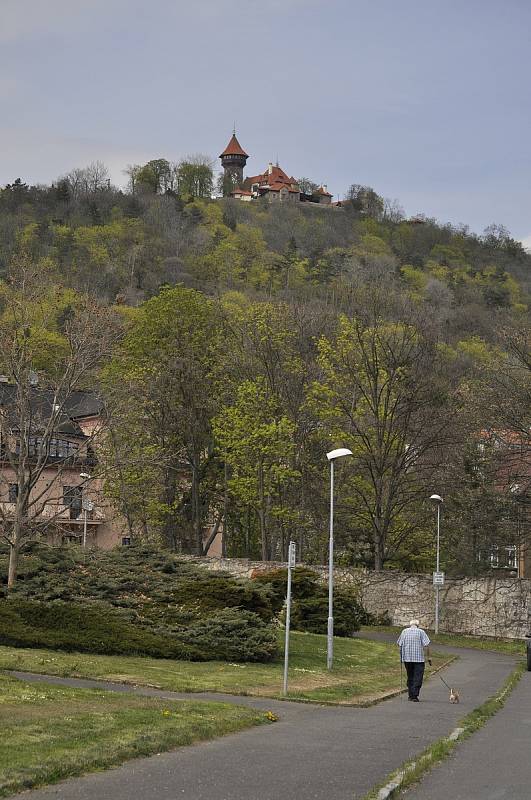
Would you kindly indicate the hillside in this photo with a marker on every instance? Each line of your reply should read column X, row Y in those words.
column 250, row 338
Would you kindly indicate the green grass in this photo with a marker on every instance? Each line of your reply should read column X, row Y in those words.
column 412, row 771
column 499, row 645
column 51, row 732
column 363, row 670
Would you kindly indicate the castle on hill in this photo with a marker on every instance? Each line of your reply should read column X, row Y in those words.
column 274, row 184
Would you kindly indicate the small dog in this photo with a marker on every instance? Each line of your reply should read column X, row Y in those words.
column 454, row 694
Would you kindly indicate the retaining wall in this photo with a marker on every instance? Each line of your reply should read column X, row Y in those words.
column 490, row 606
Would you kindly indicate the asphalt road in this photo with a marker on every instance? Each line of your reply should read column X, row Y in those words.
column 313, row 752
column 494, row 764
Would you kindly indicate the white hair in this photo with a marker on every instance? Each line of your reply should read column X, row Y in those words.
column 414, row 622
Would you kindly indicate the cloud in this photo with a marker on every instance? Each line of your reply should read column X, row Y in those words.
column 526, row 241
column 26, row 19
column 41, row 157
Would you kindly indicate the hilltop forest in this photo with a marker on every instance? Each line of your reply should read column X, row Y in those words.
column 245, row 340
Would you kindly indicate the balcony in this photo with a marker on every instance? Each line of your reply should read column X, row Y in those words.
column 60, row 513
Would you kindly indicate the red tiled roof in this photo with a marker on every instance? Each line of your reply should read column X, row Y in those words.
column 241, row 191
column 234, row 148
column 276, row 186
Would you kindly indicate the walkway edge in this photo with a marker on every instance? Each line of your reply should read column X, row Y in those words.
column 412, row 771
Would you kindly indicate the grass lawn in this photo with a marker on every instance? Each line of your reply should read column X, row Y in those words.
column 51, row 732
column 511, row 646
column 362, row 671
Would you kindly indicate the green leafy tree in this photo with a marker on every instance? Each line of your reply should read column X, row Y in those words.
column 257, row 441
column 195, row 176
column 161, row 398
column 381, row 396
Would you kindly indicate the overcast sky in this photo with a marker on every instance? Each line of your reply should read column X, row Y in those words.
column 428, row 101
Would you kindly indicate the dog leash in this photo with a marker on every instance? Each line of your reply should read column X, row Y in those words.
column 448, row 687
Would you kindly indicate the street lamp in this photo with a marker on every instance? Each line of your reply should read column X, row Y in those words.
column 87, row 506
column 436, row 498
column 331, row 456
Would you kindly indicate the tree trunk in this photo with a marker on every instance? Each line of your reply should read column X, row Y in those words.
column 13, row 565
column 262, row 513
column 196, row 511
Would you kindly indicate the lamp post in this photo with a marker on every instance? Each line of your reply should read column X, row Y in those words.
column 85, row 505
column 436, row 498
column 331, row 456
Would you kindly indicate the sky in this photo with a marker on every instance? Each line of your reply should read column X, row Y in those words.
column 427, row 101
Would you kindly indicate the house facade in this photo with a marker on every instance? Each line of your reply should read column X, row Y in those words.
column 66, row 502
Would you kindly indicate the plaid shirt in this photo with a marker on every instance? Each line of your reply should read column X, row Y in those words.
column 412, row 642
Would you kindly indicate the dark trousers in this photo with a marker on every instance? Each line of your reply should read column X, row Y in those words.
column 415, row 674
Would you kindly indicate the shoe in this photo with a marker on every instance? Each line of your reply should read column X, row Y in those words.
column 414, row 699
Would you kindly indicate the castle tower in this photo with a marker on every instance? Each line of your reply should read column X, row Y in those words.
column 233, row 160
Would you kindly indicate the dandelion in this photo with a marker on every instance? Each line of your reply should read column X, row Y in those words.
column 270, row 716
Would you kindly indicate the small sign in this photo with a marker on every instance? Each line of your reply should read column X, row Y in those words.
column 87, row 505
column 438, row 578
column 292, row 554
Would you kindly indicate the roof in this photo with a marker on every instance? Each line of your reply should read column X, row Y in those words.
column 234, row 148
column 322, row 190
column 274, row 180
column 76, row 406
column 242, row 192
column 276, row 186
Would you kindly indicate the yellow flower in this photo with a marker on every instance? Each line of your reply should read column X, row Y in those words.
column 270, row 716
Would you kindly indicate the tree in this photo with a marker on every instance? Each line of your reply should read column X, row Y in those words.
column 82, row 181
column 51, row 344
column 195, row 176
column 161, row 398
column 307, row 186
column 257, row 441
column 382, row 396
column 365, row 201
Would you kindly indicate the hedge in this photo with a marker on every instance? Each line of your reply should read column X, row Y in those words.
column 97, row 628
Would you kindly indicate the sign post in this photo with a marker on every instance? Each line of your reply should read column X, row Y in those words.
column 291, row 564
column 87, row 506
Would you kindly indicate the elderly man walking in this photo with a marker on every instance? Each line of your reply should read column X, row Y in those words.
column 412, row 642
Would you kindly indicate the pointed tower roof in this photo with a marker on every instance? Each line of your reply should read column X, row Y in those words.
column 234, row 148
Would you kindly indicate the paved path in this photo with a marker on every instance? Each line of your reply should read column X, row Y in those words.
column 494, row 764
column 312, row 753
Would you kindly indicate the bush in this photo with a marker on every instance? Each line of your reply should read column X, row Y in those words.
column 235, row 636
column 134, row 577
column 309, row 610
column 311, row 613
column 101, row 629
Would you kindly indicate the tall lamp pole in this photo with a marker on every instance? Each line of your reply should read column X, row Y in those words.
column 436, row 498
column 331, row 456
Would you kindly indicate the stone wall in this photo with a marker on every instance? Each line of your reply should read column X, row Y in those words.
column 488, row 606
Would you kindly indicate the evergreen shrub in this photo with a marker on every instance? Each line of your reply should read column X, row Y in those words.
column 309, row 611
column 98, row 628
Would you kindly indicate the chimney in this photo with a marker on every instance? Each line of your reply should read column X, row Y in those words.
column 270, row 167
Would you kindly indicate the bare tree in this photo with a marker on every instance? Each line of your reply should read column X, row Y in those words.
column 86, row 180
column 43, row 371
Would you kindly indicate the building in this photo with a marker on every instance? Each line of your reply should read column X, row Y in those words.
column 512, row 457
column 273, row 184
column 65, row 502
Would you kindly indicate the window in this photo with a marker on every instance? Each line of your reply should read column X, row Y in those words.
column 499, row 557
column 126, row 541
column 12, row 492
column 72, row 496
